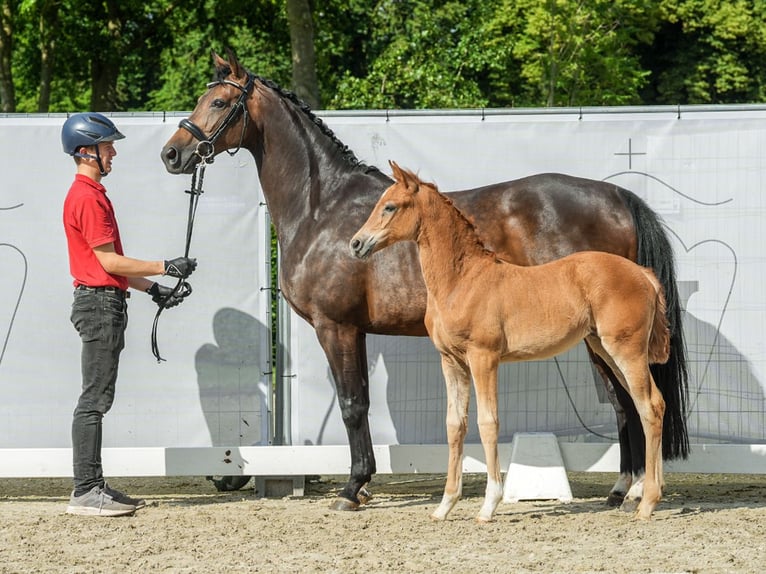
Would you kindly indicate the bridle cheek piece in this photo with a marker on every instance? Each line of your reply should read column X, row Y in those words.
column 206, row 145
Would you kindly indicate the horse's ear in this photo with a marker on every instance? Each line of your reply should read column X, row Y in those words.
column 236, row 68
column 218, row 62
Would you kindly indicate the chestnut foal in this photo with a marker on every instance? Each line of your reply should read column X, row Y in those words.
column 482, row 310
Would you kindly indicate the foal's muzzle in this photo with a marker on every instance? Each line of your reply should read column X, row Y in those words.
column 362, row 248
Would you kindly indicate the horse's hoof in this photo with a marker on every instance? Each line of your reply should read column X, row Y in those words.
column 630, row 504
column 343, row 504
column 615, row 499
column 435, row 518
column 364, row 495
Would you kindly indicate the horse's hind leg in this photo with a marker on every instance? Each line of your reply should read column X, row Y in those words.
column 458, row 382
column 484, row 370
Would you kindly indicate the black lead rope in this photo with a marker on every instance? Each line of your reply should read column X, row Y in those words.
column 182, row 289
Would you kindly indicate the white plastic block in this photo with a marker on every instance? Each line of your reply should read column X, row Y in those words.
column 537, row 470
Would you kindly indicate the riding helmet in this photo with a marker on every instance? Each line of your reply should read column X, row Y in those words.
column 87, row 129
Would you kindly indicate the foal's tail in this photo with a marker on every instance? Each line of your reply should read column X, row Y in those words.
column 671, row 377
column 659, row 338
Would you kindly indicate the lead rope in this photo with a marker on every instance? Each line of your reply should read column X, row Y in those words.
column 183, row 288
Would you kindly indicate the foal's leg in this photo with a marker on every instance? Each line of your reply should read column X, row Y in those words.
column 612, row 385
column 635, row 431
column 651, row 409
column 484, row 370
column 458, row 382
column 629, row 361
column 627, row 491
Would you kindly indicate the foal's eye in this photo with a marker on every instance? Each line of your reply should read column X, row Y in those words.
column 219, row 103
column 389, row 209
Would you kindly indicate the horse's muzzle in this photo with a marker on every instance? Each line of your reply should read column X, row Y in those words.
column 173, row 160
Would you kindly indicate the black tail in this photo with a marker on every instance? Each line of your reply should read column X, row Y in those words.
column 672, row 378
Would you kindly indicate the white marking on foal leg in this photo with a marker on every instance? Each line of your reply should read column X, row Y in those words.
column 492, row 496
column 634, row 495
column 448, row 502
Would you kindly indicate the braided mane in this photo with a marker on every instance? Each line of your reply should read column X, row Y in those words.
column 346, row 153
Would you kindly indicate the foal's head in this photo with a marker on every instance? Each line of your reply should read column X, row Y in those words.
column 396, row 216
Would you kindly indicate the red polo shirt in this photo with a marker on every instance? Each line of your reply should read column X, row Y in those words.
column 89, row 222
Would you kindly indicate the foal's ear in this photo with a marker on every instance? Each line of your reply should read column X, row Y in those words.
column 395, row 170
column 400, row 175
column 406, row 177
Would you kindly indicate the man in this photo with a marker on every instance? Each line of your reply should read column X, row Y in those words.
column 102, row 275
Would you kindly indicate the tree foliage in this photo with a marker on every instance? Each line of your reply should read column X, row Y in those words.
column 61, row 55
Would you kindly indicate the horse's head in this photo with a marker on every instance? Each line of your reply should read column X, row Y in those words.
column 218, row 122
column 394, row 218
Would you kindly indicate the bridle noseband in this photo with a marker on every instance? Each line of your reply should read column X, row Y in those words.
column 206, row 145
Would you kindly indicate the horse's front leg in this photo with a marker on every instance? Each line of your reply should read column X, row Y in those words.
column 458, row 383
column 346, row 351
column 484, row 371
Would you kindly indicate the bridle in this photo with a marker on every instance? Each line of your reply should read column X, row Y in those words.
column 206, row 151
column 206, row 145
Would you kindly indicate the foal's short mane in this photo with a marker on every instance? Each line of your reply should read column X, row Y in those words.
column 461, row 216
column 346, row 153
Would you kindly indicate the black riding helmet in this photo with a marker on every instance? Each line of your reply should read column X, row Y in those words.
column 88, row 129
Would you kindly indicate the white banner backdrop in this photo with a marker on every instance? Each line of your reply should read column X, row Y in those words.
column 703, row 170
column 211, row 390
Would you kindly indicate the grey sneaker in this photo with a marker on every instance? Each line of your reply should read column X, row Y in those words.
column 96, row 502
column 123, row 498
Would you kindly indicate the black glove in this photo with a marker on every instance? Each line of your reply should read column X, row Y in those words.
column 161, row 293
column 180, row 267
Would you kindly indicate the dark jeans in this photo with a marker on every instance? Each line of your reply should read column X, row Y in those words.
column 100, row 318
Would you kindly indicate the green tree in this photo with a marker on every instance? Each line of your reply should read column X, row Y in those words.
column 7, row 89
column 439, row 54
column 573, row 52
column 419, row 55
column 304, row 83
column 709, row 51
column 58, row 55
column 257, row 32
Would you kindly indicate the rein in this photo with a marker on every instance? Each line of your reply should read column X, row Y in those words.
column 205, row 150
column 183, row 288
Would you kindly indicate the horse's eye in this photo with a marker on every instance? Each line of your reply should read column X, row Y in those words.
column 219, row 103
column 389, row 209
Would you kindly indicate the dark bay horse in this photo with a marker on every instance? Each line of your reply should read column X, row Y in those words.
column 482, row 311
column 319, row 194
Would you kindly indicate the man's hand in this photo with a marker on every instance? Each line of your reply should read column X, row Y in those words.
column 180, row 267
column 160, row 294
